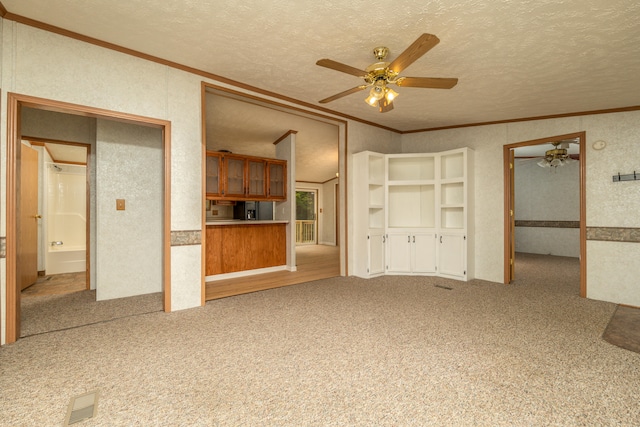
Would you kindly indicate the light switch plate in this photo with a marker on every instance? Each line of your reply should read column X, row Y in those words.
column 119, row 204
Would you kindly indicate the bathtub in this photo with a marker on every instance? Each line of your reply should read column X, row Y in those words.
column 66, row 259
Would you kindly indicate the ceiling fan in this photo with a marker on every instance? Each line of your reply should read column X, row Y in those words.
column 558, row 155
column 379, row 75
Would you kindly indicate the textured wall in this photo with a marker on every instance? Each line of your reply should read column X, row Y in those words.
column 549, row 194
column 329, row 214
column 612, row 267
column 130, row 250
column 50, row 66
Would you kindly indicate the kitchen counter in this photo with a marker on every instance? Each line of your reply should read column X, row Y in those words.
column 241, row 245
column 244, row 222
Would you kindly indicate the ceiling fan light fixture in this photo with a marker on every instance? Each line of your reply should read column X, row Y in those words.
column 377, row 92
column 382, row 73
column 372, row 100
column 558, row 156
column 390, row 94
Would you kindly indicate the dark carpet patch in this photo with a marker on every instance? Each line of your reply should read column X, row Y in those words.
column 623, row 329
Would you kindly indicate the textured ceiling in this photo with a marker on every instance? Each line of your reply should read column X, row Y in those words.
column 513, row 59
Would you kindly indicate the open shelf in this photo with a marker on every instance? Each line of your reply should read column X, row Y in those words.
column 376, row 218
column 376, row 170
column 452, row 166
column 376, row 194
column 418, row 168
column 452, row 218
column 452, row 193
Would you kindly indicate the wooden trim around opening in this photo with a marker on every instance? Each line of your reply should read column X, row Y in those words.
column 209, row 88
column 14, row 103
column 583, row 202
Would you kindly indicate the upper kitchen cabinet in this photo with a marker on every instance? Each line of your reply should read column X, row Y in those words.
column 214, row 173
column 277, row 173
column 235, row 177
column 238, row 177
column 256, row 178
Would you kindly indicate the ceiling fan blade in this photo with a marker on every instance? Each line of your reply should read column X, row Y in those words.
column 338, row 66
column 418, row 48
column 345, row 93
column 385, row 105
column 427, row 82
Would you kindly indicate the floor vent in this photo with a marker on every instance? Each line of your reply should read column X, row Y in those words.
column 82, row 407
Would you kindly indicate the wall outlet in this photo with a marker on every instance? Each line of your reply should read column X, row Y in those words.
column 119, row 204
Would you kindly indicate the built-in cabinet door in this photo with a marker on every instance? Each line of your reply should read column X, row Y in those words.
column 213, row 174
column 256, row 179
column 452, row 254
column 277, row 183
column 234, row 176
column 398, row 253
column 239, row 177
column 376, row 252
column 423, row 252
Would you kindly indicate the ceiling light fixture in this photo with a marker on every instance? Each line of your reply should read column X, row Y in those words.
column 379, row 75
column 379, row 90
column 557, row 156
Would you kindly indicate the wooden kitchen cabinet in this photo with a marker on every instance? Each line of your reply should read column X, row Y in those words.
column 213, row 182
column 235, row 176
column 277, row 173
column 256, row 178
column 233, row 248
column 239, row 177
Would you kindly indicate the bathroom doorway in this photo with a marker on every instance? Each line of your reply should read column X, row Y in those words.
column 63, row 226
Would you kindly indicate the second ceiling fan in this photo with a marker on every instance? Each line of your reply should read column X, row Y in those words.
column 379, row 75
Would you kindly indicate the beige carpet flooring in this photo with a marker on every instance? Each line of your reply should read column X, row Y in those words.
column 47, row 313
column 390, row 351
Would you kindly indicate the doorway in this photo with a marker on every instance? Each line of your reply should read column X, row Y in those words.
column 16, row 103
column 510, row 270
column 63, row 196
column 320, row 151
column 306, row 217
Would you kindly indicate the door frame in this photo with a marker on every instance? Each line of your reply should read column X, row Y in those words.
column 41, row 142
column 508, row 199
column 14, row 103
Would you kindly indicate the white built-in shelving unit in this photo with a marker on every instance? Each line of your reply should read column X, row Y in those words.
column 418, row 214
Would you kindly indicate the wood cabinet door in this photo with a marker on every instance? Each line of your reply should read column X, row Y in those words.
column 277, row 180
column 234, row 181
column 257, row 178
column 213, row 175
